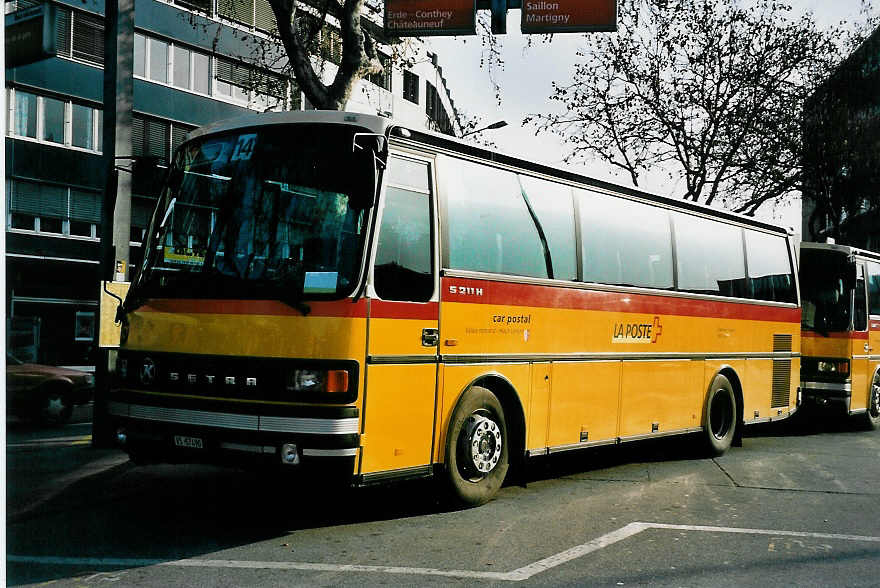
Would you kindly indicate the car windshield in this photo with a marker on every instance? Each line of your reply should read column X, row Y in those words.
column 825, row 292
column 269, row 213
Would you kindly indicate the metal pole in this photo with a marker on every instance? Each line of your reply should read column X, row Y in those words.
column 116, row 219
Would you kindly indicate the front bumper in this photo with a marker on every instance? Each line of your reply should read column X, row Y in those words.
column 325, row 437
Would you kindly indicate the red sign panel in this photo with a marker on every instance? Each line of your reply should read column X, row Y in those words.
column 568, row 16
column 422, row 18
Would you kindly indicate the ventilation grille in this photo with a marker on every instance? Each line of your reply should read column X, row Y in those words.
column 781, row 343
column 781, row 383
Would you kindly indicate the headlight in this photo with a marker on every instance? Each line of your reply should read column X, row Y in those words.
column 311, row 380
column 834, row 367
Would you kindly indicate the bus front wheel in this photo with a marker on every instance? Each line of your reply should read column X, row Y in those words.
column 720, row 416
column 476, row 448
column 872, row 416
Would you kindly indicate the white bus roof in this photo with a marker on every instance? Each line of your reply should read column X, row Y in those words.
column 373, row 123
column 844, row 249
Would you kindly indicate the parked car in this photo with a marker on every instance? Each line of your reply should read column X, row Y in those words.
column 43, row 392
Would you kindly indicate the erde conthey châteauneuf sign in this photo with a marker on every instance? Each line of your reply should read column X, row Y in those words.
column 430, row 17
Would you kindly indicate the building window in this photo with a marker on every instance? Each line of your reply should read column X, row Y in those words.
column 80, row 35
column 54, row 121
column 157, row 57
column 25, row 115
column 436, row 111
column 431, row 100
column 410, row 86
column 154, row 137
column 168, row 63
column 257, row 89
column 88, row 38
column 82, row 126
column 48, row 208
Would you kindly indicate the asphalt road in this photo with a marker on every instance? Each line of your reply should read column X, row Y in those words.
column 797, row 505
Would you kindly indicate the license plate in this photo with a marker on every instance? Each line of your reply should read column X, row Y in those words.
column 189, row 442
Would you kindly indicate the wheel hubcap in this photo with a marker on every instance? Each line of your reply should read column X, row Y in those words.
column 481, row 444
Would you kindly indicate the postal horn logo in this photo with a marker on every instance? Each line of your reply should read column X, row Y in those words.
column 637, row 332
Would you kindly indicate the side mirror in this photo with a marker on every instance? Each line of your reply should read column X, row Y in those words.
column 850, row 276
column 366, row 149
column 363, row 180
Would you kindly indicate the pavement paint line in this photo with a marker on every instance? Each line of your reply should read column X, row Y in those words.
column 52, row 441
column 562, row 557
column 805, row 534
column 517, row 575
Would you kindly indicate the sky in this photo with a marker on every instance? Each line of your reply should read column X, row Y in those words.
column 526, row 86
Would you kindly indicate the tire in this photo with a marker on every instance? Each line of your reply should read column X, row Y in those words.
column 476, row 448
column 56, row 407
column 719, row 425
column 872, row 416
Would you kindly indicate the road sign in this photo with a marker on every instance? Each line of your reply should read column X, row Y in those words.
column 30, row 35
column 568, row 16
column 414, row 18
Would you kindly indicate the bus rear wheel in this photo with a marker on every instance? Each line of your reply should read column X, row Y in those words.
column 872, row 416
column 476, row 448
column 720, row 416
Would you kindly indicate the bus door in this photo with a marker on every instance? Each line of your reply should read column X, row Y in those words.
column 401, row 378
column 860, row 342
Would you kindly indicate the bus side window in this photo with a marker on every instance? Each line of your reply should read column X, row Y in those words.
column 710, row 256
column 490, row 227
column 404, row 268
column 860, row 307
column 554, row 207
column 770, row 271
column 624, row 242
column 874, row 288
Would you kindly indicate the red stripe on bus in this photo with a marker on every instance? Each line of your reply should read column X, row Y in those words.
column 404, row 310
column 836, row 335
column 334, row 308
column 506, row 293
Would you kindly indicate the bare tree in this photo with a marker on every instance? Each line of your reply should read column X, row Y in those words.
column 711, row 91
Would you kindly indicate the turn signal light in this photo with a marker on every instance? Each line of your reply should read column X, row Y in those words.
column 337, row 381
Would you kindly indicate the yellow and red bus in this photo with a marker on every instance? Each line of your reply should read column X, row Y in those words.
column 840, row 329
column 332, row 292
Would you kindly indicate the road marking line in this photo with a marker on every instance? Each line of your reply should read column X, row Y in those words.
column 742, row 531
column 52, row 442
column 517, row 575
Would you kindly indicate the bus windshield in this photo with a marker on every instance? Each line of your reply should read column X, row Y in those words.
column 272, row 212
column 825, row 291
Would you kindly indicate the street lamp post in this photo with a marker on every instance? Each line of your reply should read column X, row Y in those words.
column 493, row 126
